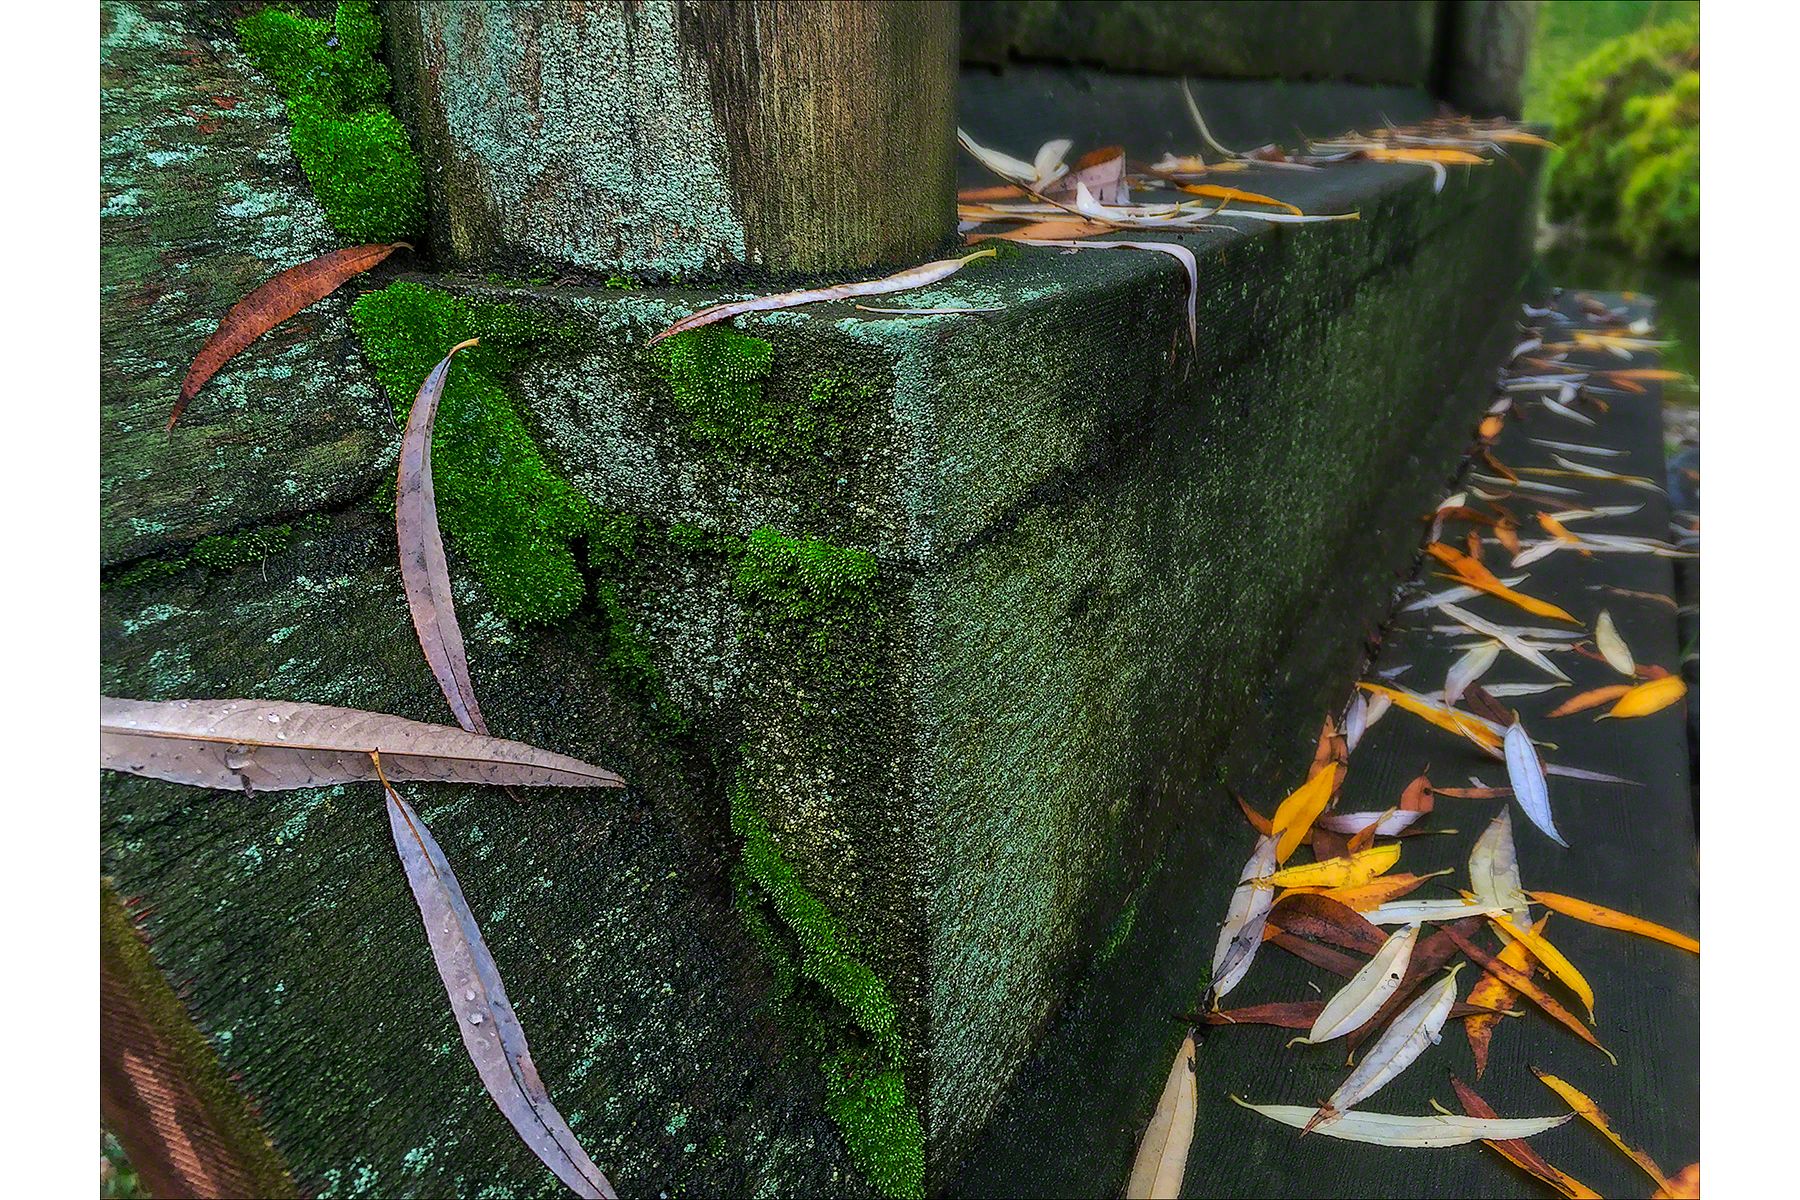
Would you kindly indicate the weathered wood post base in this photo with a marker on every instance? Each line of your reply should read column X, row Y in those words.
column 669, row 136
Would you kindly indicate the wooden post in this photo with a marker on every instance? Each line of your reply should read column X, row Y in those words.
column 683, row 136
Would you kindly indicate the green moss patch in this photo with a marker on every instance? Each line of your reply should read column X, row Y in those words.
column 222, row 551
column 849, row 1016
column 499, row 501
column 719, row 380
column 818, row 598
column 353, row 149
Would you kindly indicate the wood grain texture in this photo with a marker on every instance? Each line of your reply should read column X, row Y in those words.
column 665, row 136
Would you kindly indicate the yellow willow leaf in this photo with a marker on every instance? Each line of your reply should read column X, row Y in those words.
column 1646, row 374
column 1444, row 718
column 1353, row 871
column 1552, row 960
column 1647, row 698
column 1589, row 699
column 1591, row 1113
column 1557, row 529
column 1482, row 579
column 1424, row 154
column 1294, row 818
column 1612, row 646
column 1218, row 192
column 1490, row 992
column 1608, row 918
column 1162, row 1155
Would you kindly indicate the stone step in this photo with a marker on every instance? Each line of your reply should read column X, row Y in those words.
column 912, row 635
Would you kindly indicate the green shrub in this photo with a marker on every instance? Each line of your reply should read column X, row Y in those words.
column 1628, row 120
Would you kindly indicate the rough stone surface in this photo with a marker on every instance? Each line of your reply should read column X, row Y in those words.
column 1486, row 46
column 200, row 201
column 958, row 608
column 1368, row 41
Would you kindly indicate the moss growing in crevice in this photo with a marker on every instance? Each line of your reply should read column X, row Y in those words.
column 719, row 380
column 353, row 149
column 842, row 1006
column 499, row 501
column 816, row 598
column 221, row 551
column 614, row 543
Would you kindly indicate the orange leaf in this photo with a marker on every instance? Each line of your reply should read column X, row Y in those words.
column 1217, row 192
column 1591, row 1113
column 1257, row 821
column 1587, row 700
column 1490, row 992
column 1556, row 528
column 1491, row 427
column 1515, row 1150
column 1607, row 918
column 1418, row 795
column 1522, row 983
column 1686, row 1185
column 1064, row 229
column 1482, row 579
column 1646, row 374
column 1508, row 535
column 1363, row 838
column 272, row 303
column 998, row 191
column 1423, row 154
column 1444, row 718
column 1377, row 892
column 1647, row 698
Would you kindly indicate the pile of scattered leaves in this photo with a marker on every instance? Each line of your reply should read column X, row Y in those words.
column 1348, row 910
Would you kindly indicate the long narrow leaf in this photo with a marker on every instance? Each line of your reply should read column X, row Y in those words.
column 423, row 569
column 490, row 1030
column 1393, row 1129
column 1529, row 787
column 1607, row 918
column 275, row 745
column 1162, row 1154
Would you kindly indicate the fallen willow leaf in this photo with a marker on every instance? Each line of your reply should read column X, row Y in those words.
column 274, row 301
column 1242, row 932
column 1562, row 409
column 1592, row 1114
column 930, row 312
column 1257, row 821
column 1492, row 992
column 1312, row 915
column 912, row 277
column 1300, row 1014
column 1405, row 912
column 1419, row 796
column 1647, row 698
column 1494, row 869
column 1526, row 986
column 1294, row 818
column 1467, row 669
column 1517, row 1152
column 1455, row 595
column 1377, row 892
column 1392, row 823
column 491, row 1032
column 1356, row 721
column 1479, row 577
column 1047, row 169
column 1419, row 1025
column 1607, row 918
column 1178, row 252
column 1162, row 1155
column 1589, row 699
column 1505, row 637
column 274, row 745
column 1471, row 727
column 424, row 572
column 1579, row 448
column 1685, row 1185
column 1340, row 872
column 1363, row 838
column 1590, row 776
column 1529, row 787
column 1475, row 793
column 1367, row 990
column 1550, row 958
column 1335, row 961
column 1217, row 192
column 1508, row 691
column 1066, row 229
column 1102, row 172
column 1393, row 1129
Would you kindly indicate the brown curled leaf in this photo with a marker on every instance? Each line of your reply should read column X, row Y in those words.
column 491, row 1032
column 1529, row 988
column 273, row 302
column 423, row 568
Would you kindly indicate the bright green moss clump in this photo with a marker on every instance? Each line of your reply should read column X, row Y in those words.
column 719, row 380
column 818, row 595
column 354, row 151
column 498, row 500
column 1628, row 121
column 864, row 1087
